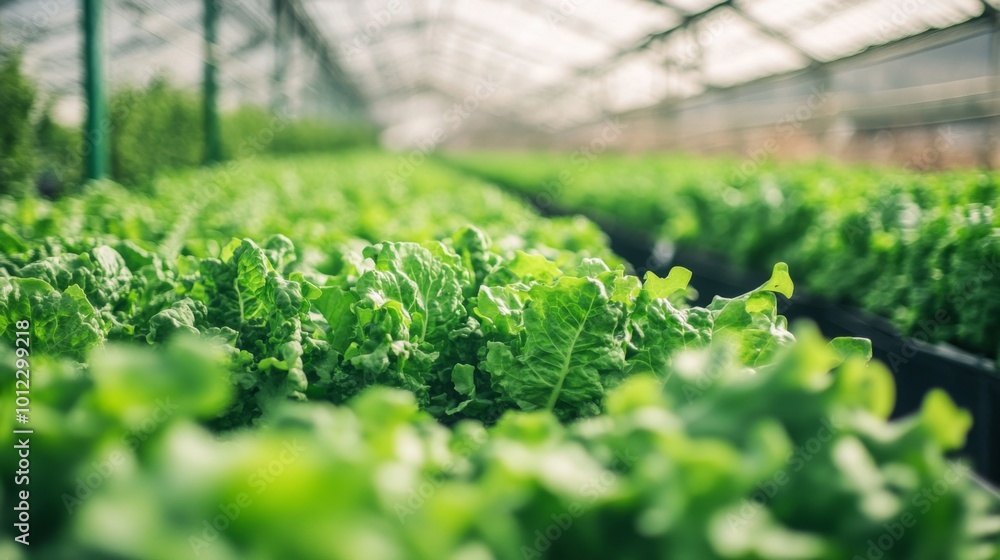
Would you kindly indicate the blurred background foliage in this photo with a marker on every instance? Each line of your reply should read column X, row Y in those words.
column 153, row 127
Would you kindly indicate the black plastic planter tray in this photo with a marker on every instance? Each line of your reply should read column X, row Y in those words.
column 973, row 382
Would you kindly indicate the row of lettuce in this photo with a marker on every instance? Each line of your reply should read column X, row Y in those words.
column 918, row 249
column 122, row 468
column 500, row 391
column 471, row 326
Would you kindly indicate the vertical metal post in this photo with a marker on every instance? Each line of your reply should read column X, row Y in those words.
column 213, row 134
column 96, row 126
column 279, row 99
column 991, row 147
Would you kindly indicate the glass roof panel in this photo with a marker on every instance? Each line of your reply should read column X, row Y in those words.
column 851, row 30
column 557, row 61
column 742, row 51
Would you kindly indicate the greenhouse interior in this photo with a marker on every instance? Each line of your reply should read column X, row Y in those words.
column 500, row 280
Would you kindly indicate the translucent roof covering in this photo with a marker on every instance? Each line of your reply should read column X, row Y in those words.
column 560, row 62
column 546, row 63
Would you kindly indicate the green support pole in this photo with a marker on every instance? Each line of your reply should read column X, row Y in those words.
column 96, row 127
column 278, row 98
column 213, row 134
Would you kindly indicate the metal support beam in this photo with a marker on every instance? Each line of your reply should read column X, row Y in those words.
column 97, row 126
column 549, row 92
column 878, row 53
column 991, row 156
column 988, row 8
column 576, row 25
column 279, row 99
column 305, row 25
column 210, row 95
column 776, row 35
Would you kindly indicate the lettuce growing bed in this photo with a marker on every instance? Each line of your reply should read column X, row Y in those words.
column 919, row 249
column 268, row 364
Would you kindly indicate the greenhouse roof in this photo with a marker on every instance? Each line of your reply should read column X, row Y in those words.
column 549, row 63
